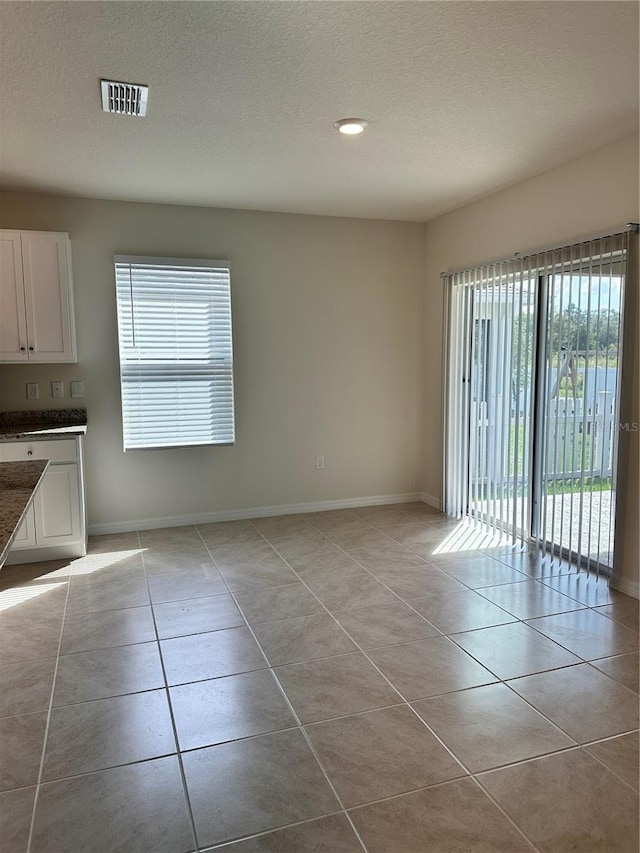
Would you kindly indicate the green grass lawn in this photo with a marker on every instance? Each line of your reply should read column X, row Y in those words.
column 554, row 486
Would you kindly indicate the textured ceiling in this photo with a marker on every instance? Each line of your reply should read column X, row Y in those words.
column 462, row 98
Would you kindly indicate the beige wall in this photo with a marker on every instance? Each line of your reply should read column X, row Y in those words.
column 627, row 555
column 332, row 354
column 328, row 344
column 593, row 193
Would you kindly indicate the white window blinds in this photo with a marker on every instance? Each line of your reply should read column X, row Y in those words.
column 176, row 354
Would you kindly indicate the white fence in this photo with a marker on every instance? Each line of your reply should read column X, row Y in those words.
column 579, row 442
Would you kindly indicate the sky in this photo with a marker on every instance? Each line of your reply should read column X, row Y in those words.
column 575, row 289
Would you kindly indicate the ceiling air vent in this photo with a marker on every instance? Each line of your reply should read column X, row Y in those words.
column 127, row 99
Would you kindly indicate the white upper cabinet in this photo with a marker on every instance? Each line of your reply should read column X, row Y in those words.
column 36, row 297
column 13, row 319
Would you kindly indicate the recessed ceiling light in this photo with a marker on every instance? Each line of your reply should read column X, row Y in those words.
column 351, row 126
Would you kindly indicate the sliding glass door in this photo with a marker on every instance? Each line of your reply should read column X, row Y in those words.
column 533, row 372
column 582, row 296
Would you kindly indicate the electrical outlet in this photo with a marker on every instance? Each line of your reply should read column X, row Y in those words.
column 32, row 391
column 57, row 388
column 319, row 463
column 77, row 389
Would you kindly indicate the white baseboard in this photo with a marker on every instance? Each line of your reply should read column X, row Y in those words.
column 432, row 500
column 253, row 512
column 629, row 587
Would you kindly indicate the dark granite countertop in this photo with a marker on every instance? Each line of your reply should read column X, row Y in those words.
column 18, row 484
column 42, row 423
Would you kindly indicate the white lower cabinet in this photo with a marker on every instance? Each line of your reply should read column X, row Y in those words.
column 57, row 506
column 26, row 535
column 54, row 525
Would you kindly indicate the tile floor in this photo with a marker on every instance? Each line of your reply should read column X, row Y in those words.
column 342, row 681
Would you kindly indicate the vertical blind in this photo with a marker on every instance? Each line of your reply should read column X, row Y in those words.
column 176, row 353
column 533, row 367
column 582, row 301
column 488, row 421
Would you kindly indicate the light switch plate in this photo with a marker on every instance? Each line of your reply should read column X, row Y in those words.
column 57, row 388
column 77, row 389
column 32, row 391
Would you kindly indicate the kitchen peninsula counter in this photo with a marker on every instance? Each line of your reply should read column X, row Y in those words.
column 18, row 484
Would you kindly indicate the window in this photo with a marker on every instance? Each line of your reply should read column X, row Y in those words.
column 176, row 354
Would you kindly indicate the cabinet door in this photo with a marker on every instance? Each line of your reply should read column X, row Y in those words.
column 47, row 293
column 26, row 535
column 13, row 326
column 57, row 506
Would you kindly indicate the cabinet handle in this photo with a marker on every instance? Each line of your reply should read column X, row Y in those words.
column 23, row 349
column 31, row 349
column 29, row 452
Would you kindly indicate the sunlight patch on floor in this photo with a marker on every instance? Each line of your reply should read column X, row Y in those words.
column 95, row 562
column 19, row 595
column 469, row 536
